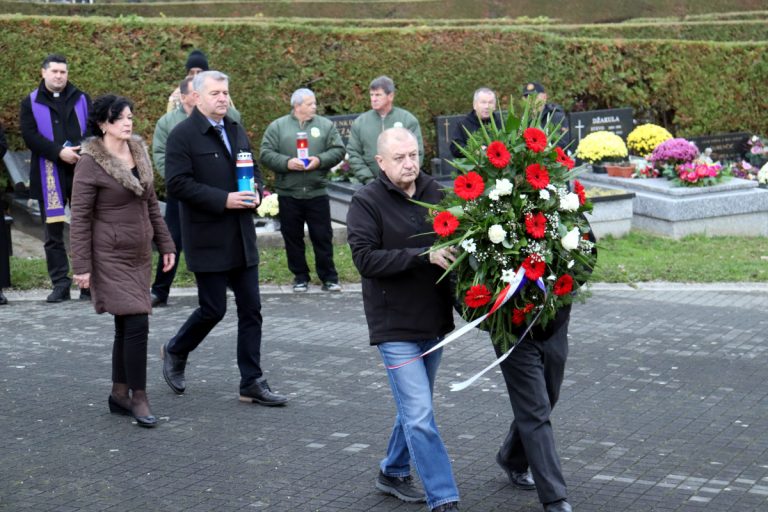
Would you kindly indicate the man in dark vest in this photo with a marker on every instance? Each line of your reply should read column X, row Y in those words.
column 53, row 122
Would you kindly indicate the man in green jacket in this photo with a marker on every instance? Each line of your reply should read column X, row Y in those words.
column 161, row 288
column 300, row 183
column 367, row 127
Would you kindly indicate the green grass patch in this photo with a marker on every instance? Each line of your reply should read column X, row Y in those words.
column 635, row 258
column 696, row 259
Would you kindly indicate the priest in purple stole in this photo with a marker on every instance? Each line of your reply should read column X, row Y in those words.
column 53, row 122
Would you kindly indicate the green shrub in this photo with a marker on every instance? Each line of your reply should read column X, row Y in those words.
column 691, row 88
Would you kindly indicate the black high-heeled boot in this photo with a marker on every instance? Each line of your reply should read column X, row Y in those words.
column 116, row 408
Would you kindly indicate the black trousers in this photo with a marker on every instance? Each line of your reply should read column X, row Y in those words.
column 163, row 280
column 55, row 251
column 129, row 351
column 534, row 373
column 316, row 212
column 212, row 300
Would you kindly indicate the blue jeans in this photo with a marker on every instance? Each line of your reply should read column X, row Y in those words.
column 415, row 434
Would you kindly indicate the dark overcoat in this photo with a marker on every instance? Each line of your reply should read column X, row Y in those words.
column 115, row 218
column 200, row 173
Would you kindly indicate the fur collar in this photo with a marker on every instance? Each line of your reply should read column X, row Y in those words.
column 114, row 167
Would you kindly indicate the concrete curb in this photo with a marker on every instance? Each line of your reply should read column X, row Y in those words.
column 270, row 289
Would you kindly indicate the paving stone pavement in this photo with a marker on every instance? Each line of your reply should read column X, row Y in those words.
column 664, row 408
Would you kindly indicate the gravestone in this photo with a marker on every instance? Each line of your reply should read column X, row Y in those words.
column 344, row 125
column 614, row 120
column 444, row 127
column 725, row 146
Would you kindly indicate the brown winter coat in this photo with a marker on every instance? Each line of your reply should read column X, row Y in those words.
column 115, row 217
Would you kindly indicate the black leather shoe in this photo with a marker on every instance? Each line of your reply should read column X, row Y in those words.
column 85, row 294
column 520, row 479
column 259, row 393
column 173, row 370
column 3, row 299
column 558, row 506
column 157, row 302
column 59, row 294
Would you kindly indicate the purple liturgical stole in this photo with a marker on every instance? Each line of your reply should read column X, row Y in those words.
column 53, row 199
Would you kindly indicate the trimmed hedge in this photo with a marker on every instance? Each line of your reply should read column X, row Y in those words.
column 692, row 88
column 727, row 30
column 573, row 11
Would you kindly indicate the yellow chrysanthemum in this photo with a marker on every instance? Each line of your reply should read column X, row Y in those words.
column 644, row 139
column 601, row 146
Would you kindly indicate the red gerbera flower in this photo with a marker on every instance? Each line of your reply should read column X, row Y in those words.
column 469, row 186
column 518, row 315
column 563, row 285
column 537, row 176
column 564, row 159
column 535, row 225
column 477, row 296
column 535, row 139
column 497, row 154
column 579, row 189
column 534, row 267
column 445, row 223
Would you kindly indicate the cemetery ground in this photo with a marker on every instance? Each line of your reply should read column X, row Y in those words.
column 663, row 409
column 638, row 257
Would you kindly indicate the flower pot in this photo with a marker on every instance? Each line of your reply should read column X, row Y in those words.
column 598, row 169
column 620, row 171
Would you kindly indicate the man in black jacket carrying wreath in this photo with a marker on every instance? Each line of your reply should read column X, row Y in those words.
column 408, row 312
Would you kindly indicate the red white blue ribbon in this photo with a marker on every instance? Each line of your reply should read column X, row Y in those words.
column 509, row 291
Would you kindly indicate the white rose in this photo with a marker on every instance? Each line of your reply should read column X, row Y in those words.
column 503, row 187
column 569, row 202
column 469, row 245
column 496, row 234
column 493, row 195
column 571, row 241
column 544, row 194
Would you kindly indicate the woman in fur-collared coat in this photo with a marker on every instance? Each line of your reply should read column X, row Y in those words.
column 115, row 218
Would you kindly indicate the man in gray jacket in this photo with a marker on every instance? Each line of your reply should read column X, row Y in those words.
column 368, row 126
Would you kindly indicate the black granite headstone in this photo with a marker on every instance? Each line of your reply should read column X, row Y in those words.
column 725, row 146
column 344, row 125
column 615, row 120
column 444, row 127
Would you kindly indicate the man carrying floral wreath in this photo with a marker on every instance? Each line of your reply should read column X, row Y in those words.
column 408, row 312
column 522, row 248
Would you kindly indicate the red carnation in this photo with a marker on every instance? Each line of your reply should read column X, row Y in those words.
column 497, row 154
column 445, row 223
column 518, row 315
column 563, row 285
column 477, row 296
column 535, row 139
column 537, row 176
column 564, row 159
column 579, row 189
column 535, row 225
column 534, row 268
column 469, row 186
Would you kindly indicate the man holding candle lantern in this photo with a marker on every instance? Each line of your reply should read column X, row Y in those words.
column 300, row 148
column 217, row 231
